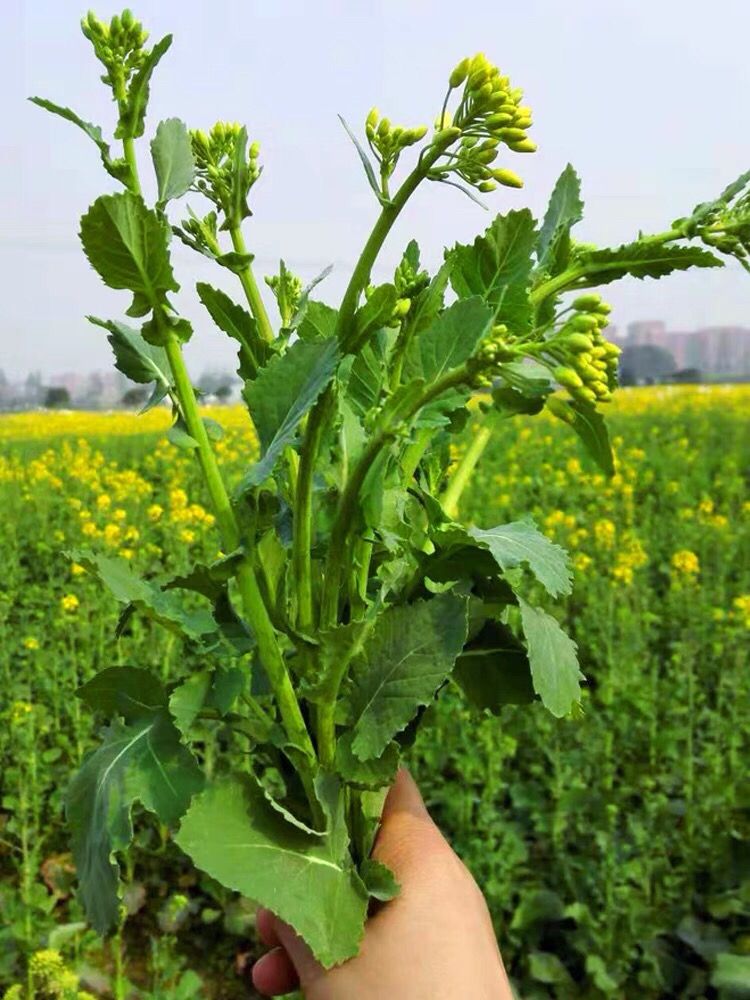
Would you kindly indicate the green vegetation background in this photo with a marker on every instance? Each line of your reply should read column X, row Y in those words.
column 614, row 850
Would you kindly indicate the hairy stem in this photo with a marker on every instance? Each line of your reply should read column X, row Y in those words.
column 463, row 471
column 250, row 286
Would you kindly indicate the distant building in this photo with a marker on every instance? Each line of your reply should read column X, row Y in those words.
column 714, row 350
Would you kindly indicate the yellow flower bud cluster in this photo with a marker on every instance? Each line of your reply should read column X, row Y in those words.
column 388, row 141
column 497, row 348
column 287, row 289
column 489, row 115
column 119, row 46
column 409, row 281
column 216, row 157
column 589, row 362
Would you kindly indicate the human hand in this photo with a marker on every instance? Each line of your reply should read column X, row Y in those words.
column 435, row 941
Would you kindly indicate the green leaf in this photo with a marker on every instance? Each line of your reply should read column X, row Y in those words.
column 366, row 376
column 510, row 402
column 216, row 689
column 379, row 880
column 521, row 542
column 493, row 670
column 118, row 169
column 145, row 596
column 137, row 359
column 179, row 436
column 640, row 260
column 732, row 973
column 304, row 299
column 449, row 341
column 238, row 324
column 374, row 773
column 547, row 968
column 528, row 377
column 406, row 657
column 132, row 121
column 553, row 659
column 127, row 691
column 591, row 428
column 174, row 163
column 377, row 312
column 127, row 244
column 281, row 395
column 319, row 321
column 233, row 834
column 142, row 761
column 429, row 303
column 565, row 209
column 497, row 266
column 369, row 171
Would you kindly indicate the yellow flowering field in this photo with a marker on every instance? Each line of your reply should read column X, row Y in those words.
column 618, row 841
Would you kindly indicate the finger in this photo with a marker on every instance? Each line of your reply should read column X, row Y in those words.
column 300, row 955
column 404, row 797
column 408, row 841
column 274, row 974
column 265, row 924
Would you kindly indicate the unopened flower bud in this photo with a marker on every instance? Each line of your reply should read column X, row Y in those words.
column 459, row 74
column 588, row 302
column 486, row 186
column 584, row 393
column 507, row 178
column 384, row 128
column 498, row 120
column 372, row 117
column 477, row 79
column 512, row 134
column 527, row 146
column 578, row 342
column 568, row 377
column 583, row 322
column 523, row 123
column 485, row 155
column 446, row 136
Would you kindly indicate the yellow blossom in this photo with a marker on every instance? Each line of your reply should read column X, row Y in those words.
column 69, row 603
column 112, row 534
column 30, row 642
column 119, row 514
column 103, row 501
column 741, row 606
column 76, row 569
column 187, row 536
column 154, row 512
column 686, row 564
column 604, row 533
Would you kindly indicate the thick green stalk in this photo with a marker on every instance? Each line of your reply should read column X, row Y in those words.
column 252, row 601
column 247, row 582
column 463, row 471
column 326, row 727
column 347, row 507
column 301, row 544
column 128, row 146
column 250, row 286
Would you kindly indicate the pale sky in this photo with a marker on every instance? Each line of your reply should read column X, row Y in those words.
column 649, row 99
